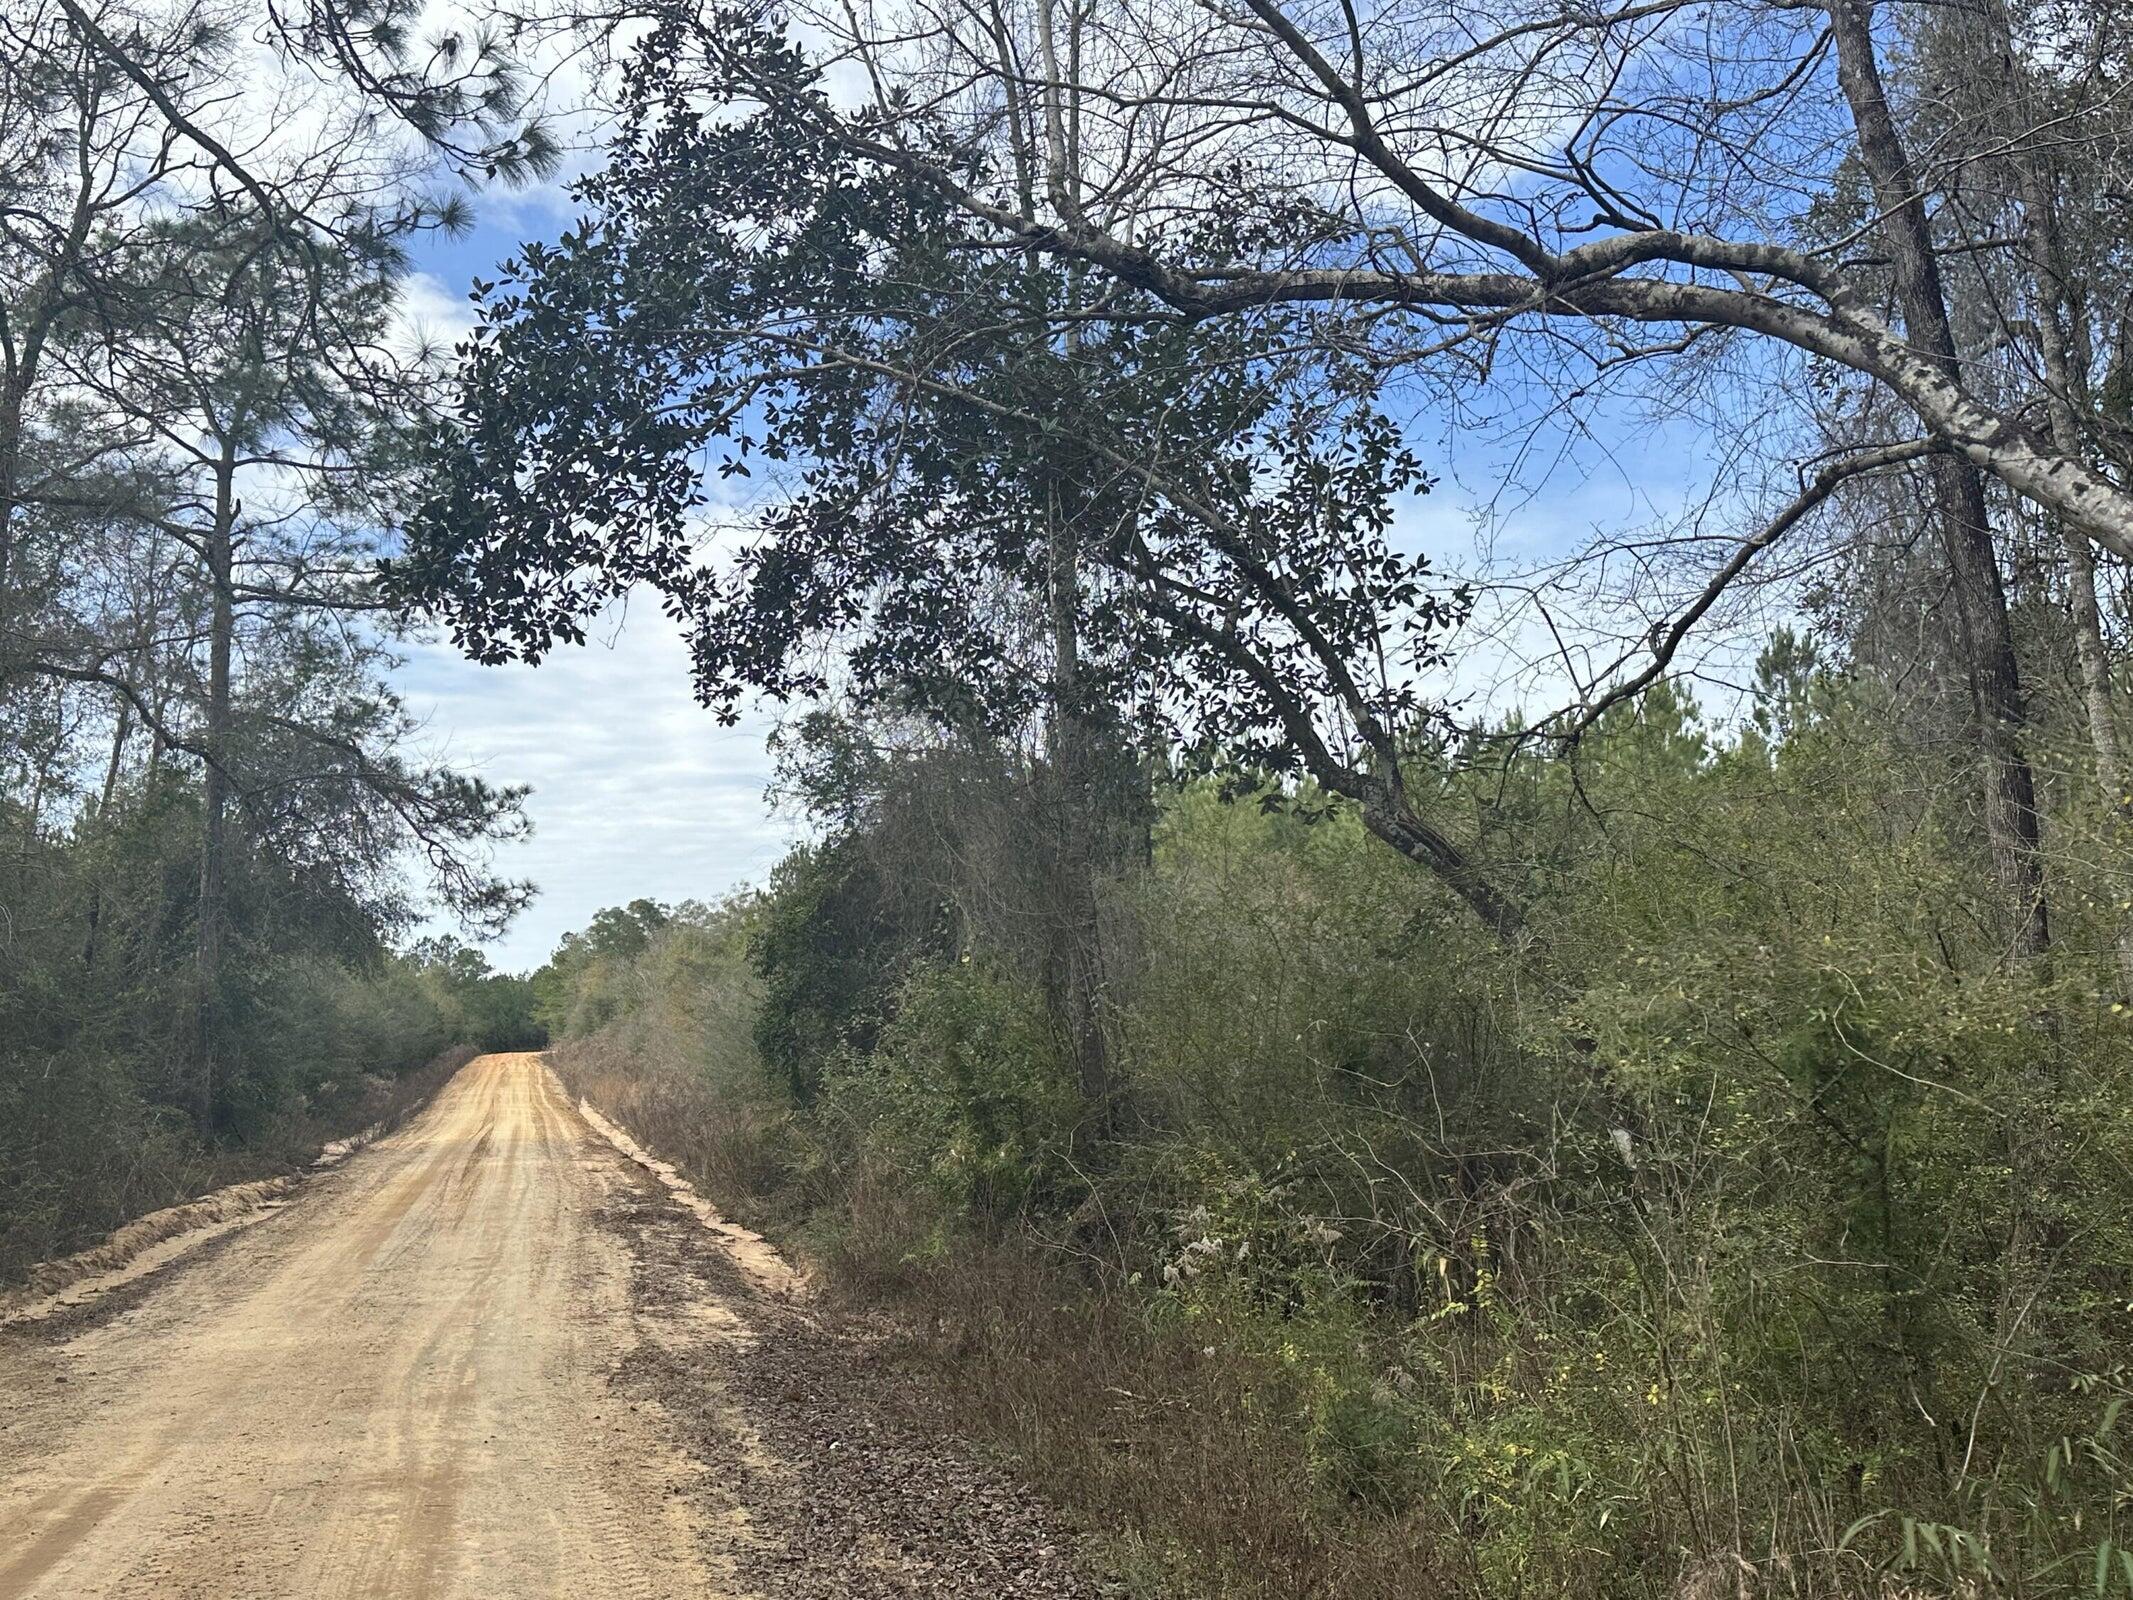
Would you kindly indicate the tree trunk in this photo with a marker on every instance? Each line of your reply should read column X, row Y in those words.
column 1983, row 631
column 1076, row 953
column 2086, row 613
column 1422, row 844
column 12, row 651
column 2102, row 717
column 10, row 473
column 2065, row 349
column 214, row 844
column 121, row 732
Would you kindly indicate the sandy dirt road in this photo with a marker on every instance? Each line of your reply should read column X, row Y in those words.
column 401, row 1384
column 493, row 1355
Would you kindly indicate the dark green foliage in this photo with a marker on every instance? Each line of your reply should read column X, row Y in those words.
column 487, row 1009
column 97, row 1116
column 831, row 960
column 970, row 1085
column 968, row 456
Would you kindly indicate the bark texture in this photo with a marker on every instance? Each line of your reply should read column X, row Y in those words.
column 1984, row 632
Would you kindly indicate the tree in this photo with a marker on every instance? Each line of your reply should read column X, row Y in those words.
column 82, row 143
column 757, row 294
column 202, row 432
column 2027, row 193
column 1197, row 181
column 1958, row 483
column 267, row 409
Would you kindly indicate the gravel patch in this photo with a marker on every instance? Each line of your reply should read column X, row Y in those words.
column 825, row 1481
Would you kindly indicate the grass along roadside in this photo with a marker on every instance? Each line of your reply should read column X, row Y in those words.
column 256, row 1175
column 1167, row 1441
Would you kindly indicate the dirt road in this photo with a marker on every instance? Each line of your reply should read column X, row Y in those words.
column 444, row 1370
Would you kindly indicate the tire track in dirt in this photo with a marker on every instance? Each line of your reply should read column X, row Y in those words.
column 496, row 1354
column 399, row 1385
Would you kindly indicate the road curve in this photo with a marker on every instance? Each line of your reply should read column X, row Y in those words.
column 398, row 1386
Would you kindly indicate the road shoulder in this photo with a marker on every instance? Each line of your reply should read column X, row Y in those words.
column 784, row 1404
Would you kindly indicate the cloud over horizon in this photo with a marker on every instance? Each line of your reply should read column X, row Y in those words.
column 637, row 789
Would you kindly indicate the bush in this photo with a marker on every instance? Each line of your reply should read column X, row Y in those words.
column 1752, row 1232
column 968, row 1091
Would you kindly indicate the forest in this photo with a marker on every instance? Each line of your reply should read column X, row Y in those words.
column 219, row 828
column 1453, row 673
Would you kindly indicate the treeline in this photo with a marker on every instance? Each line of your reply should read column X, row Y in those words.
column 214, row 816
column 1750, row 1231
column 322, row 1034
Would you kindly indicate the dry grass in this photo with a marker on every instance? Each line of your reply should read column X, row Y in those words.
column 1173, row 1452
column 728, row 1148
column 171, row 1170
column 1174, row 1447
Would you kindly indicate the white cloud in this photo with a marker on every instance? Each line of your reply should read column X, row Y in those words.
column 429, row 315
column 637, row 789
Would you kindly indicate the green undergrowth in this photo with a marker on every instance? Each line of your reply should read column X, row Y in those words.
column 1750, row 1231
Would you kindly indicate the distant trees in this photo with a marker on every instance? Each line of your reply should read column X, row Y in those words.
column 484, row 1008
column 568, row 990
column 597, row 974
